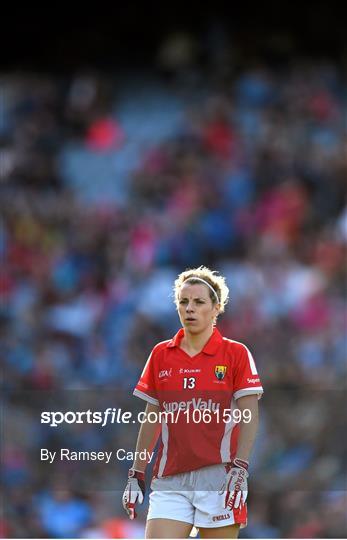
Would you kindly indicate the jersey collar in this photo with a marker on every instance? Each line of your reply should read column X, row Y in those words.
column 211, row 346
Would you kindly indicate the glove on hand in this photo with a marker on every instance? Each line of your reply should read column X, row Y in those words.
column 235, row 486
column 134, row 492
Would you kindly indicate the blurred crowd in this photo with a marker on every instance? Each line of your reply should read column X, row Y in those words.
column 111, row 186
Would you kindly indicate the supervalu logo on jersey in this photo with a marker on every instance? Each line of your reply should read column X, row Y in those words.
column 220, row 372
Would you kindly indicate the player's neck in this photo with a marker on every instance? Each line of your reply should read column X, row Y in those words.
column 194, row 343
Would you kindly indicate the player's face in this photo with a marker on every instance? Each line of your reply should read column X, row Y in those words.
column 195, row 308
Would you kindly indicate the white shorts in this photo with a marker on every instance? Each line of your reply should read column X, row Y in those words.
column 194, row 498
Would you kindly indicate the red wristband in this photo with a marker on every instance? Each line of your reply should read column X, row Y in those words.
column 241, row 463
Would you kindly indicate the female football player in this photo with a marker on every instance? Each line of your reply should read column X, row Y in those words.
column 202, row 393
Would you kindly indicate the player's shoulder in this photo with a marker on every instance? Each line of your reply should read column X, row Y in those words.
column 235, row 346
column 160, row 346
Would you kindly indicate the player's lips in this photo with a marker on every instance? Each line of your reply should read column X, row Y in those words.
column 190, row 319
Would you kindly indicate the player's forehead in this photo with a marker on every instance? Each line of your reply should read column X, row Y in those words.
column 193, row 290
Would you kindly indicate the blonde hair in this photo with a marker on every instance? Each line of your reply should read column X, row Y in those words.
column 194, row 276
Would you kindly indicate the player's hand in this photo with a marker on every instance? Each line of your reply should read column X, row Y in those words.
column 235, row 487
column 134, row 492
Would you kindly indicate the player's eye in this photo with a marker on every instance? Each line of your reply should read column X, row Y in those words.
column 183, row 301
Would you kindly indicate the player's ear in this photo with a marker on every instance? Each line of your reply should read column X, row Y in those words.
column 216, row 311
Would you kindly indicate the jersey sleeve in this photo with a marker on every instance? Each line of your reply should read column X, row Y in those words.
column 246, row 379
column 145, row 388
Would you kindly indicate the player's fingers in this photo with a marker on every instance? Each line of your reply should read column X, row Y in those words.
column 125, row 502
column 231, row 500
column 131, row 511
column 222, row 489
column 237, row 499
column 226, row 499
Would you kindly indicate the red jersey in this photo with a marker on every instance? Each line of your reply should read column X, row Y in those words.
column 200, row 393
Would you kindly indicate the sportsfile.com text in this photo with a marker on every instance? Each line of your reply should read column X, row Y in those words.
column 194, row 411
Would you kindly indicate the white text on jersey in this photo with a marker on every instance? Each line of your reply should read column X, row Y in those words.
column 193, row 403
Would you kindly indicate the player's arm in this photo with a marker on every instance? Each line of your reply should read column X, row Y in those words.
column 236, row 490
column 248, row 430
column 148, row 435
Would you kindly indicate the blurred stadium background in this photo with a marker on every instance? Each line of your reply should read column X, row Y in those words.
column 129, row 151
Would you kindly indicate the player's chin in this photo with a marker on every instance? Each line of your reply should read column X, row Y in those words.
column 192, row 327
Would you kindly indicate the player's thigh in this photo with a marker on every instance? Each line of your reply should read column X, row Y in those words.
column 230, row 531
column 167, row 528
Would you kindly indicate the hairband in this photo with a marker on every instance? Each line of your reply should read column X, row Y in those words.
column 206, row 283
